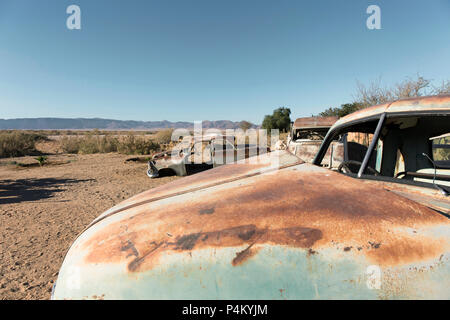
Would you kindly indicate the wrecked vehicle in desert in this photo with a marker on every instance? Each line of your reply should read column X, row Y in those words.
column 200, row 154
column 307, row 134
column 374, row 227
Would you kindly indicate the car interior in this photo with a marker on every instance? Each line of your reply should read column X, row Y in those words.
column 413, row 149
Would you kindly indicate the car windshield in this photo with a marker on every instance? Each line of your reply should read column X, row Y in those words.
column 309, row 134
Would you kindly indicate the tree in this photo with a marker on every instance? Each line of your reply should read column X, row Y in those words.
column 245, row 125
column 341, row 111
column 444, row 88
column 375, row 93
column 280, row 119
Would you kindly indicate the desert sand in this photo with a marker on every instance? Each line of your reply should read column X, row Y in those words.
column 43, row 209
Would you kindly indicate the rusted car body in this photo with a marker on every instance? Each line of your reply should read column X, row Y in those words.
column 200, row 154
column 280, row 228
column 307, row 135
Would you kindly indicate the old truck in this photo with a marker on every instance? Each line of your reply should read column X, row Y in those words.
column 281, row 228
column 307, row 134
column 200, row 153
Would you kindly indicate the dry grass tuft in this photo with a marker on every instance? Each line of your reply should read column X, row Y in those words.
column 17, row 143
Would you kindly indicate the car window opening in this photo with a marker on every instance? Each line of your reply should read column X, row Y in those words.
column 412, row 149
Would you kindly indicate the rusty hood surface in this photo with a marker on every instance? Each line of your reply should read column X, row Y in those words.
column 261, row 231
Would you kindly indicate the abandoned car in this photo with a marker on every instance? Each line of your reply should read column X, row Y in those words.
column 375, row 226
column 197, row 154
column 307, row 135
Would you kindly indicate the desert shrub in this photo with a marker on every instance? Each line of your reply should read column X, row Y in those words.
column 132, row 144
column 70, row 144
column 89, row 144
column 98, row 144
column 164, row 136
column 94, row 143
column 16, row 143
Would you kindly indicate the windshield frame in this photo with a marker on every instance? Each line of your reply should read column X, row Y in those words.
column 381, row 117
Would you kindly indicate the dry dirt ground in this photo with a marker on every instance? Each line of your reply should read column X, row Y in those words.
column 42, row 209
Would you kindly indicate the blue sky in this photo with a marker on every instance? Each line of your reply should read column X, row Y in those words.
column 209, row 60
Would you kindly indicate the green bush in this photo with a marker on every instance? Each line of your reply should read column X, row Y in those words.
column 17, row 143
column 42, row 160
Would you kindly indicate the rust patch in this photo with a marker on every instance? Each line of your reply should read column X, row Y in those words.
column 415, row 249
column 441, row 102
column 243, row 255
column 187, row 242
column 206, row 211
column 374, row 245
column 232, row 237
column 314, row 122
column 269, row 209
column 129, row 246
column 135, row 264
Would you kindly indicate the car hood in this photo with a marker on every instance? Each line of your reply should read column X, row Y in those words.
column 257, row 225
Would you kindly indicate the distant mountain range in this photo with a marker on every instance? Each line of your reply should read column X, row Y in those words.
column 106, row 124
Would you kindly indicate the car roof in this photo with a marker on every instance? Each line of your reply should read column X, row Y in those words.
column 314, row 122
column 404, row 106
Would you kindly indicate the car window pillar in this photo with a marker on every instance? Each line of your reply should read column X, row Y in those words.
column 372, row 145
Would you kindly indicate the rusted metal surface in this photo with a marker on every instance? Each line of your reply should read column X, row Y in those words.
column 314, row 122
column 422, row 104
column 301, row 211
column 259, row 207
column 429, row 197
column 269, row 227
column 431, row 103
column 361, row 114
